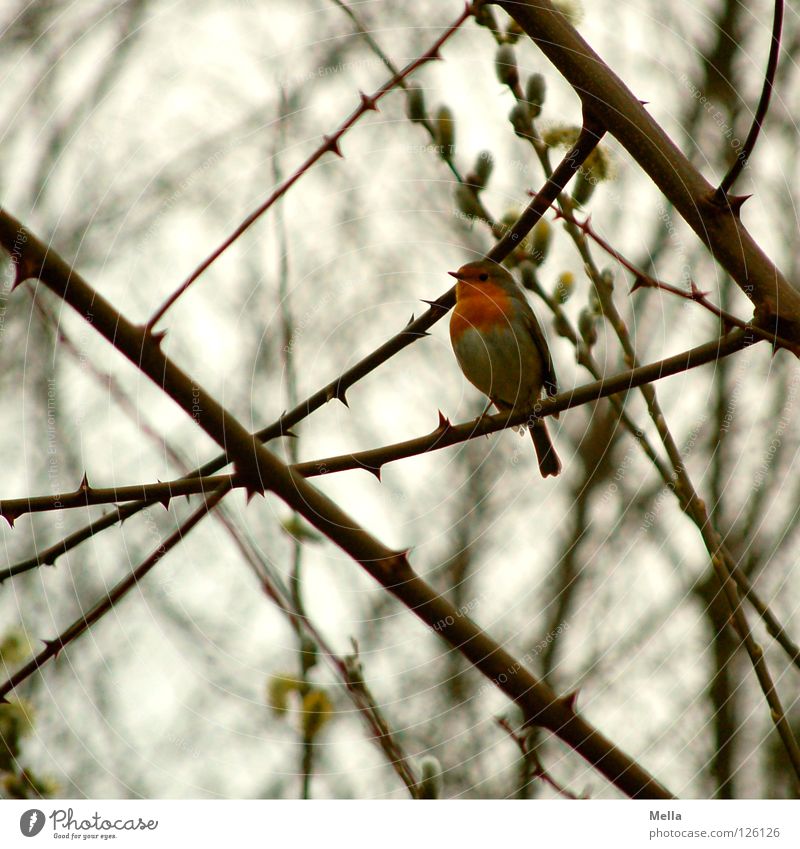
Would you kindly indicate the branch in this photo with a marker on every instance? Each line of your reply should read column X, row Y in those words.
column 390, row 568
column 330, row 144
column 642, row 280
column 373, row 459
column 13, row 237
column 761, row 111
column 604, row 94
column 83, row 623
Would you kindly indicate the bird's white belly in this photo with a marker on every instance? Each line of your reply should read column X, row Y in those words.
column 501, row 365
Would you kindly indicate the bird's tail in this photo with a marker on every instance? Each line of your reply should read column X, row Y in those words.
column 549, row 464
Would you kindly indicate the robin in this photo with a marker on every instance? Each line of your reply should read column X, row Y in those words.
column 501, row 348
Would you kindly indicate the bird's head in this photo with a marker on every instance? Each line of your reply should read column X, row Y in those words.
column 484, row 272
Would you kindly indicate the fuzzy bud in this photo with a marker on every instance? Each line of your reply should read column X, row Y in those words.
column 316, row 712
column 484, row 16
column 565, row 285
column 527, row 272
column 587, row 327
column 445, row 131
column 505, row 65
column 513, row 32
column 467, row 201
column 482, row 170
column 542, row 237
column 520, row 118
column 584, row 187
column 415, row 104
column 430, row 783
column 535, row 90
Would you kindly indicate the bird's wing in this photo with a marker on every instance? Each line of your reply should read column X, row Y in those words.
column 537, row 334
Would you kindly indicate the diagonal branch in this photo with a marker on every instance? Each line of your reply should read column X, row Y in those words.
column 602, row 92
column 390, row 568
column 12, row 237
column 117, row 593
column 373, row 459
column 330, row 144
column 761, row 110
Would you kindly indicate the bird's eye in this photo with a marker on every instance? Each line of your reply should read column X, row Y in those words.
column 484, row 277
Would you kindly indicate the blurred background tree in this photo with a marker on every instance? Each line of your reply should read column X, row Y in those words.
column 137, row 135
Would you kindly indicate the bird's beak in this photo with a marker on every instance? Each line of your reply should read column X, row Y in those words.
column 455, row 274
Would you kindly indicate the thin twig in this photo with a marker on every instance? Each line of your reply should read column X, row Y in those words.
column 373, row 459
column 391, row 569
column 761, row 111
column 415, row 329
column 121, row 589
column 533, row 764
column 330, row 144
column 642, row 280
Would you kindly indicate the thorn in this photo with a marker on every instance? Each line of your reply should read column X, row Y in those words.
column 165, row 501
column 638, row 283
column 290, row 433
column 736, row 202
column 4, row 701
column 339, row 394
column 331, row 143
column 410, row 321
column 368, row 102
column 156, row 336
column 56, row 646
column 444, row 422
column 435, row 56
column 373, row 470
column 644, row 102
column 251, row 491
column 23, row 270
column 570, row 701
column 10, row 517
column 83, row 486
column 697, row 293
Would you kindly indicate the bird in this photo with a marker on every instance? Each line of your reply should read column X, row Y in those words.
column 501, row 348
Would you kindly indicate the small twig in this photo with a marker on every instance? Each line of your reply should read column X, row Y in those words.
column 415, row 329
column 763, row 105
column 330, row 144
column 534, row 766
column 646, row 281
column 390, row 568
column 373, row 459
column 121, row 589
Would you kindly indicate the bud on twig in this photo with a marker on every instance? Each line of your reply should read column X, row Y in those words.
column 520, row 119
column 445, row 131
column 484, row 17
column 513, row 32
column 505, row 65
column 467, row 201
column 542, row 236
column 565, row 285
column 527, row 272
column 430, row 784
column 535, row 90
column 587, row 327
column 415, row 104
column 584, row 187
column 481, row 171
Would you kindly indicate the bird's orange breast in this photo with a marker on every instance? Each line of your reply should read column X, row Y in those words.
column 480, row 307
